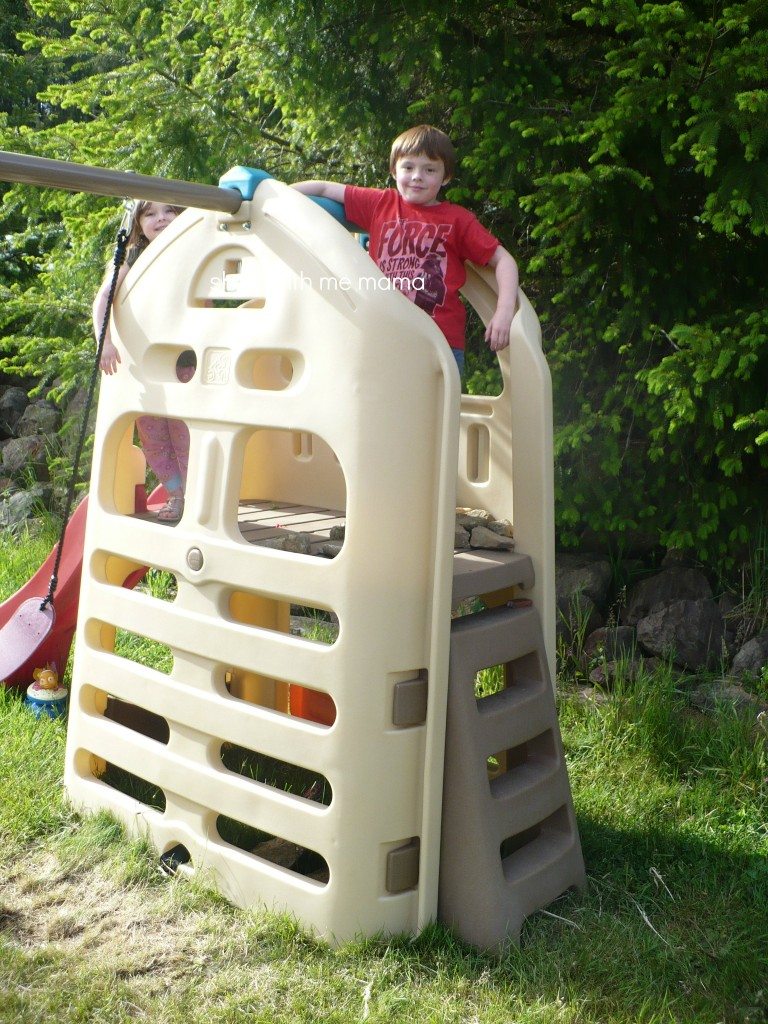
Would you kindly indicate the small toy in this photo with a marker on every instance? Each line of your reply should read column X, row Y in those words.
column 45, row 696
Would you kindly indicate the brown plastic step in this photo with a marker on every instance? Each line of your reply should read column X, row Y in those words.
column 510, row 844
column 481, row 572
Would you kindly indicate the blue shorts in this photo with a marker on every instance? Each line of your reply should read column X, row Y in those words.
column 458, row 355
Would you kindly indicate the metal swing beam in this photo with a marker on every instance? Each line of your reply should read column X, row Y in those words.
column 37, row 170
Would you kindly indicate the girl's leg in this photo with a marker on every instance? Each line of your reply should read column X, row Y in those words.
column 155, row 441
column 178, row 433
column 155, row 434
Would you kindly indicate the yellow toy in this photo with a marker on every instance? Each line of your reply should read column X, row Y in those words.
column 45, row 696
column 46, row 678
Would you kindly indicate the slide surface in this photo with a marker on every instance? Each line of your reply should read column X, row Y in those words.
column 54, row 647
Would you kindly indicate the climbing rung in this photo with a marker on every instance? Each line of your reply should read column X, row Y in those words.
column 482, row 572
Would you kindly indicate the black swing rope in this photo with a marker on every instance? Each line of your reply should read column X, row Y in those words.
column 119, row 258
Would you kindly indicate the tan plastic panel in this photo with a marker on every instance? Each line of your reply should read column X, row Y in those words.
column 308, row 389
column 506, row 452
column 315, row 385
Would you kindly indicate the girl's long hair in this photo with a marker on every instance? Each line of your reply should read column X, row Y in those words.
column 137, row 241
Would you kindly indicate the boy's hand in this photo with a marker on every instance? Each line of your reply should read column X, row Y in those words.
column 110, row 357
column 497, row 331
column 505, row 269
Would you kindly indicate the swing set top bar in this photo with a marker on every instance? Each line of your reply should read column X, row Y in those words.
column 36, row 170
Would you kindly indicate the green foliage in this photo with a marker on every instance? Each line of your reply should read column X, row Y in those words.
column 616, row 148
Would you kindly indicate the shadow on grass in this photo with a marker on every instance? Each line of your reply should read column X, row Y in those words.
column 669, row 929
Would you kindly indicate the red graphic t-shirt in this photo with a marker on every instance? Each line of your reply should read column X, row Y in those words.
column 421, row 249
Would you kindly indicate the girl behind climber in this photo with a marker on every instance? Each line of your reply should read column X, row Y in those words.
column 165, row 441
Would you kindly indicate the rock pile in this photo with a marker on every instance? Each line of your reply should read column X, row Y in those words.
column 672, row 615
column 27, row 433
column 475, row 528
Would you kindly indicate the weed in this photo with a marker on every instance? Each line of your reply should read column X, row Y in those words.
column 751, row 613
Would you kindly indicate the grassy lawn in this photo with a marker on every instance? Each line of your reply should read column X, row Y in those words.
column 673, row 927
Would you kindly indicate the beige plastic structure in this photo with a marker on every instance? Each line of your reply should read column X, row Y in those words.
column 320, row 396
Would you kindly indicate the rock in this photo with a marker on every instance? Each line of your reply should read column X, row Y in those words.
column 279, row 851
column 461, row 540
column 23, row 506
column 337, row 532
column 39, row 417
column 722, row 691
column 469, row 522
column 595, row 694
column 614, row 642
column 585, row 573
column 502, row 526
column 13, row 402
column 752, row 657
column 296, row 542
column 482, row 514
column 733, row 622
column 330, row 549
column 665, row 588
column 577, row 617
column 677, row 559
column 482, row 537
column 690, row 632
column 606, row 673
column 23, row 452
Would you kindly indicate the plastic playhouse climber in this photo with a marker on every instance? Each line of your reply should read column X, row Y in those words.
column 349, row 772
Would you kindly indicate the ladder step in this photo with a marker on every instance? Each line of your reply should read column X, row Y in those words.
column 510, row 843
column 482, row 572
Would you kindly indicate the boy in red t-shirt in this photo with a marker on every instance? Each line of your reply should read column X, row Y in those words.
column 420, row 242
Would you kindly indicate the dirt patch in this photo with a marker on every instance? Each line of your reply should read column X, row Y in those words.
column 82, row 912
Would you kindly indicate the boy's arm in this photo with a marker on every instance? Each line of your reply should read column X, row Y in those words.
column 505, row 268
column 327, row 189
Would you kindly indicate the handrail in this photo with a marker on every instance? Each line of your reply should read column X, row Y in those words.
column 36, row 170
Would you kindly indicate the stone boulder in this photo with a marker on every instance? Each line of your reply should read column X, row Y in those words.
column 492, row 540
column 39, row 417
column 582, row 573
column 688, row 631
column 752, row 657
column 23, row 506
column 664, row 589
column 577, row 617
column 722, row 691
column 13, row 402
column 26, row 452
column 612, row 642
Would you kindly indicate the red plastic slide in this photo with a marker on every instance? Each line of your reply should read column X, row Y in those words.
column 55, row 646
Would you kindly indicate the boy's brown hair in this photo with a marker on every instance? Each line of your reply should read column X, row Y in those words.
column 426, row 140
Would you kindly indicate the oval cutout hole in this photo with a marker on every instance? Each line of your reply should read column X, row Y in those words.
column 281, row 775
column 278, row 851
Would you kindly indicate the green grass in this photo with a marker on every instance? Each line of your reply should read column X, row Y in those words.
column 672, row 809
column 21, row 556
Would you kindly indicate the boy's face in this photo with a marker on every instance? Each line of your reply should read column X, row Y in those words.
column 419, row 179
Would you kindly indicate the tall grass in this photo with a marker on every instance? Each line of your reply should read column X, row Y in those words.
column 752, row 610
column 22, row 555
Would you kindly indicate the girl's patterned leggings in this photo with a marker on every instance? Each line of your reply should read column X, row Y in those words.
column 166, row 449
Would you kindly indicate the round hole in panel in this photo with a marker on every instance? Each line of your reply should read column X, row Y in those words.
column 269, row 369
column 169, row 364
